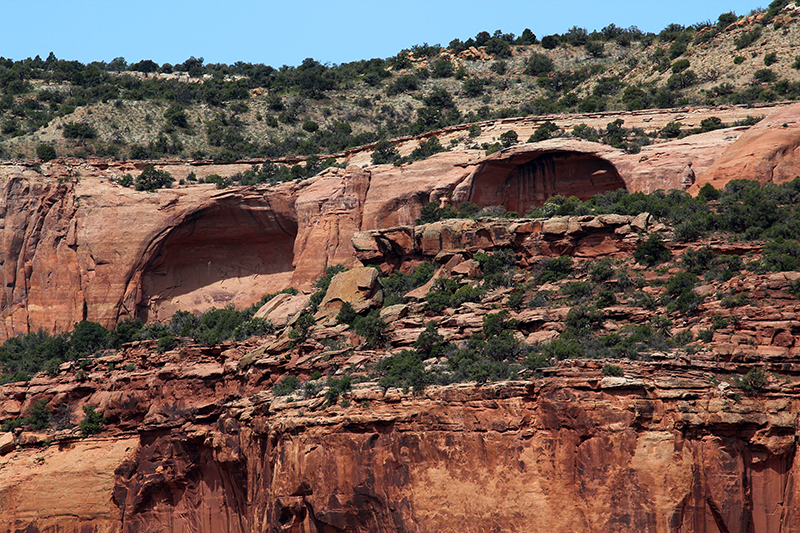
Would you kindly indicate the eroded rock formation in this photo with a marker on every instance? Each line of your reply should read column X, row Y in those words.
column 662, row 449
column 769, row 152
column 77, row 246
column 526, row 176
column 196, row 440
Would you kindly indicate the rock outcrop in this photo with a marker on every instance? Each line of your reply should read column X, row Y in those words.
column 196, row 439
column 582, row 236
column 664, row 448
column 769, row 152
column 77, row 246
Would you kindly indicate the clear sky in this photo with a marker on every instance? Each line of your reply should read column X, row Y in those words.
column 278, row 32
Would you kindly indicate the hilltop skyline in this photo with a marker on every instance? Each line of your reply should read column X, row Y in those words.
column 284, row 33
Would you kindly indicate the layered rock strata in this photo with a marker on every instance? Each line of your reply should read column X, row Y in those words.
column 77, row 246
column 199, row 446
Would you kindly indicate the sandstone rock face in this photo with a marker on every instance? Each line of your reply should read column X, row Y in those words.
column 525, row 176
column 282, row 308
column 674, row 164
column 767, row 152
column 87, row 249
column 196, row 440
column 76, row 246
column 358, row 287
column 329, row 211
column 653, row 452
column 584, row 236
column 39, row 487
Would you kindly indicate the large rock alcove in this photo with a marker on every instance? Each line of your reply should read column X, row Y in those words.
column 229, row 252
column 527, row 176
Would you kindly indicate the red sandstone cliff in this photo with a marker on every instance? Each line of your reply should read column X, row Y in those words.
column 77, row 246
column 196, row 440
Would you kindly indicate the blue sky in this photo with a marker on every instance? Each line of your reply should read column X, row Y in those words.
column 281, row 32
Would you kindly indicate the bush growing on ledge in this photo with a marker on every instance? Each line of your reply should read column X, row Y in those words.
column 613, row 370
column 651, row 251
column 286, row 385
column 93, row 422
column 754, row 381
column 45, row 152
column 152, row 179
column 397, row 284
column 556, row 268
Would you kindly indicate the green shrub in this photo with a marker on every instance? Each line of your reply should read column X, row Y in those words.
column 425, row 149
column 560, row 349
column 765, row 75
column 680, row 295
column 496, row 267
column 747, row 38
column 754, row 381
column 651, row 251
column 38, row 415
column 582, row 321
column 175, row 117
column 538, row 64
column 699, row 261
column 79, row 130
column 549, row 42
column 680, row 65
column 613, row 370
column 336, row 387
column 286, row 385
column 404, row 370
column 429, row 343
column 515, row 300
column 372, row 328
column 601, row 270
column 347, row 315
column 780, row 255
column 595, row 48
column 578, row 290
column 397, row 284
column 509, row 138
column 166, row 343
column 606, row 298
column 556, row 268
column 543, row 132
column 92, row 423
column 302, row 328
column 152, row 179
column 45, row 152
column 671, row 130
column 385, row 152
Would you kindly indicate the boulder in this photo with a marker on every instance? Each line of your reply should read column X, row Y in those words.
column 286, row 309
column 6, row 443
column 359, row 287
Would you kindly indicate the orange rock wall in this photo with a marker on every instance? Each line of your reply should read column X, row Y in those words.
column 76, row 246
column 665, row 454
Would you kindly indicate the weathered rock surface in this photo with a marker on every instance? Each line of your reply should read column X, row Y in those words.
column 583, row 236
column 195, row 439
column 76, row 246
column 767, row 152
column 358, row 287
column 651, row 451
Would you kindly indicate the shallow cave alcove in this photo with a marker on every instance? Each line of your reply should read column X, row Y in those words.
column 231, row 252
column 527, row 180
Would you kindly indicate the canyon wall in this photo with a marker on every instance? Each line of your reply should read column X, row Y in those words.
column 75, row 245
column 663, row 449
